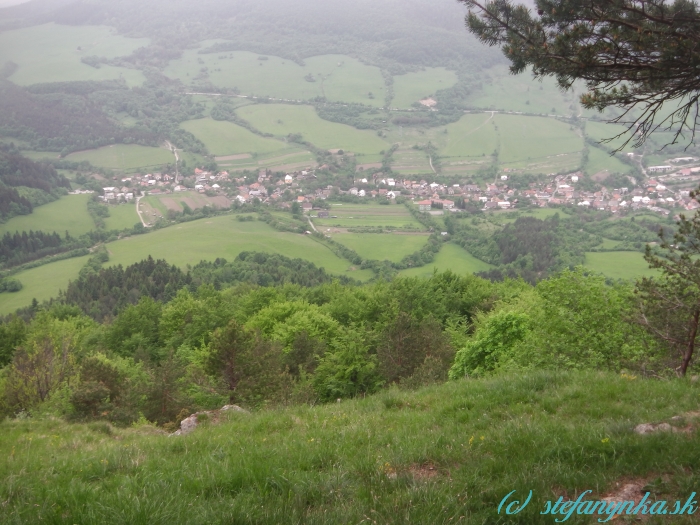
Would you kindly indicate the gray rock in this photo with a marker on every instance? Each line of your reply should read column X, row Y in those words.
column 649, row 428
column 188, row 424
column 235, row 408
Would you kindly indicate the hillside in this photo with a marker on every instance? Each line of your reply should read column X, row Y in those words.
column 443, row 454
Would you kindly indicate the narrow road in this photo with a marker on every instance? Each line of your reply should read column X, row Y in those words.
column 139, row 212
column 430, row 159
column 311, row 224
column 173, row 149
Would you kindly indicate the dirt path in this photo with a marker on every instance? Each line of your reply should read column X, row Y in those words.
column 173, row 149
column 312, row 224
column 138, row 199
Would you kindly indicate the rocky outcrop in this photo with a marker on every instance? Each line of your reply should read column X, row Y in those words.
column 190, row 423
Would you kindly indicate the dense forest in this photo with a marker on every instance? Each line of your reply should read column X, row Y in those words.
column 16, row 172
column 151, row 339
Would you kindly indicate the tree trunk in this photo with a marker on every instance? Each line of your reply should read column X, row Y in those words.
column 691, row 343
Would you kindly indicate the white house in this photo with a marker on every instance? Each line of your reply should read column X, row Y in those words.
column 288, row 179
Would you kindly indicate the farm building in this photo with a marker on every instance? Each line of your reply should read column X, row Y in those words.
column 425, row 205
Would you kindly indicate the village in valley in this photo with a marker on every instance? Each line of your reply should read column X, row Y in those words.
column 665, row 190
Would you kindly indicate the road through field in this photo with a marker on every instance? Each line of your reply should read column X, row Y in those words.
column 138, row 199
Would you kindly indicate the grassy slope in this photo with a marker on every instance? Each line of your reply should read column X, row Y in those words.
column 619, row 265
column 599, row 160
column 357, row 215
column 472, row 136
column 122, row 217
column 444, row 454
column 52, row 53
column 534, row 137
column 125, row 157
column 224, row 236
column 226, row 138
column 450, row 257
column 599, row 131
column 504, row 91
column 337, row 77
column 390, row 247
column 282, row 120
column 68, row 213
column 412, row 87
column 41, row 283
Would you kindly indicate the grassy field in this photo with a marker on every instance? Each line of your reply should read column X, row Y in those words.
column 472, row 136
column 389, row 247
column 41, row 283
column 619, row 265
column 224, row 236
column 153, row 206
column 412, row 87
column 275, row 161
column 440, row 455
column 358, row 215
column 600, row 160
column 226, row 138
column 69, row 213
column 602, row 130
column 509, row 216
column 450, row 257
column 281, row 120
column 411, row 161
column 52, row 53
column 336, row 77
column 125, row 157
column 503, row 91
column 122, row 216
column 532, row 138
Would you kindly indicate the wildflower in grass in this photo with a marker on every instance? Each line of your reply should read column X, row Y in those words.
column 606, row 440
column 482, row 438
column 629, row 377
column 471, row 440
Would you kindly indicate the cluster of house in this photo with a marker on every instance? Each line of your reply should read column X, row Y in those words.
column 113, row 194
column 158, row 183
column 655, row 195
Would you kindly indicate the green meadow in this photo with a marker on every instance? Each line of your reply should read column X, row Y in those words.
column 600, row 131
column 52, row 53
column 619, row 265
column 281, row 120
column 336, row 77
column 410, row 161
column 224, row 138
column 68, row 213
column 122, row 216
column 450, row 257
column 534, row 138
column 224, row 236
column 443, row 454
column 41, row 283
column 125, row 157
column 412, row 87
column 382, row 246
column 600, row 160
column 374, row 215
column 472, row 136
column 277, row 161
column 504, row 91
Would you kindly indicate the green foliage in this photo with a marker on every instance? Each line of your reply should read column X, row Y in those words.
column 492, row 345
column 347, row 369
